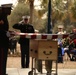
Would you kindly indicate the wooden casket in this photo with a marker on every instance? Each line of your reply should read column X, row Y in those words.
column 43, row 46
column 44, row 49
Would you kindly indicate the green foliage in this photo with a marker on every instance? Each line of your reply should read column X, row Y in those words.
column 59, row 13
column 73, row 10
column 38, row 23
column 44, row 3
column 21, row 1
column 16, row 15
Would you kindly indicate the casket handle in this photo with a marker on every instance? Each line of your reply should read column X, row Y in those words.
column 35, row 51
column 31, row 50
column 50, row 52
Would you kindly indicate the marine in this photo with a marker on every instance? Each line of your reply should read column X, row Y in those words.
column 5, row 10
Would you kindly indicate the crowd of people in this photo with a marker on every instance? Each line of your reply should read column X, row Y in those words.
column 66, row 45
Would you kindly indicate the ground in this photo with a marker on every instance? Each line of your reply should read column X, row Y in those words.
column 14, row 61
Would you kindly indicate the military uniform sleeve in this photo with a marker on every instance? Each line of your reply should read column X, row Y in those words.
column 16, row 26
column 33, row 31
column 1, row 23
column 1, row 20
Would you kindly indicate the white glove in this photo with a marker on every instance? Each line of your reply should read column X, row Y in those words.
column 21, row 22
column 8, row 34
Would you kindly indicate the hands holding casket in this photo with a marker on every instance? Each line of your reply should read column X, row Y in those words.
column 10, row 33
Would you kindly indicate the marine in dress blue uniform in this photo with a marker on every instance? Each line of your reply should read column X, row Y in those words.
column 4, row 39
column 24, row 27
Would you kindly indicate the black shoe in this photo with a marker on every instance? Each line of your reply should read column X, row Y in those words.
column 23, row 67
column 48, row 73
column 27, row 67
column 72, row 60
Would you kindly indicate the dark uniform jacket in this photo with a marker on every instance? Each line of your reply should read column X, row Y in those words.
column 24, row 28
column 4, row 40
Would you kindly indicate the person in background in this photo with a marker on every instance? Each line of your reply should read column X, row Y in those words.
column 67, row 46
column 5, row 10
column 61, row 29
column 74, row 36
column 24, row 27
column 73, row 50
column 12, row 45
column 74, row 42
column 60, row 44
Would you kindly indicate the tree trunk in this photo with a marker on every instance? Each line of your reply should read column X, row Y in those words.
column 31, row 2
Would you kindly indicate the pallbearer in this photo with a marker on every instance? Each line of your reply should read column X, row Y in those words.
column 5, row 10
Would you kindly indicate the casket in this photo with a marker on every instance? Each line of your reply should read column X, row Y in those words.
column 43, row 49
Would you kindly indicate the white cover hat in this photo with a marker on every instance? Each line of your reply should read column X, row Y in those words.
column 60, row 26
column 6, row 5
column 25, row 17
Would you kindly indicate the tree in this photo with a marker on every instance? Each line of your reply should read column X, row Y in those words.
column 20, row 10
column 61, row 10
column 31, row 2
column 21, row 1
